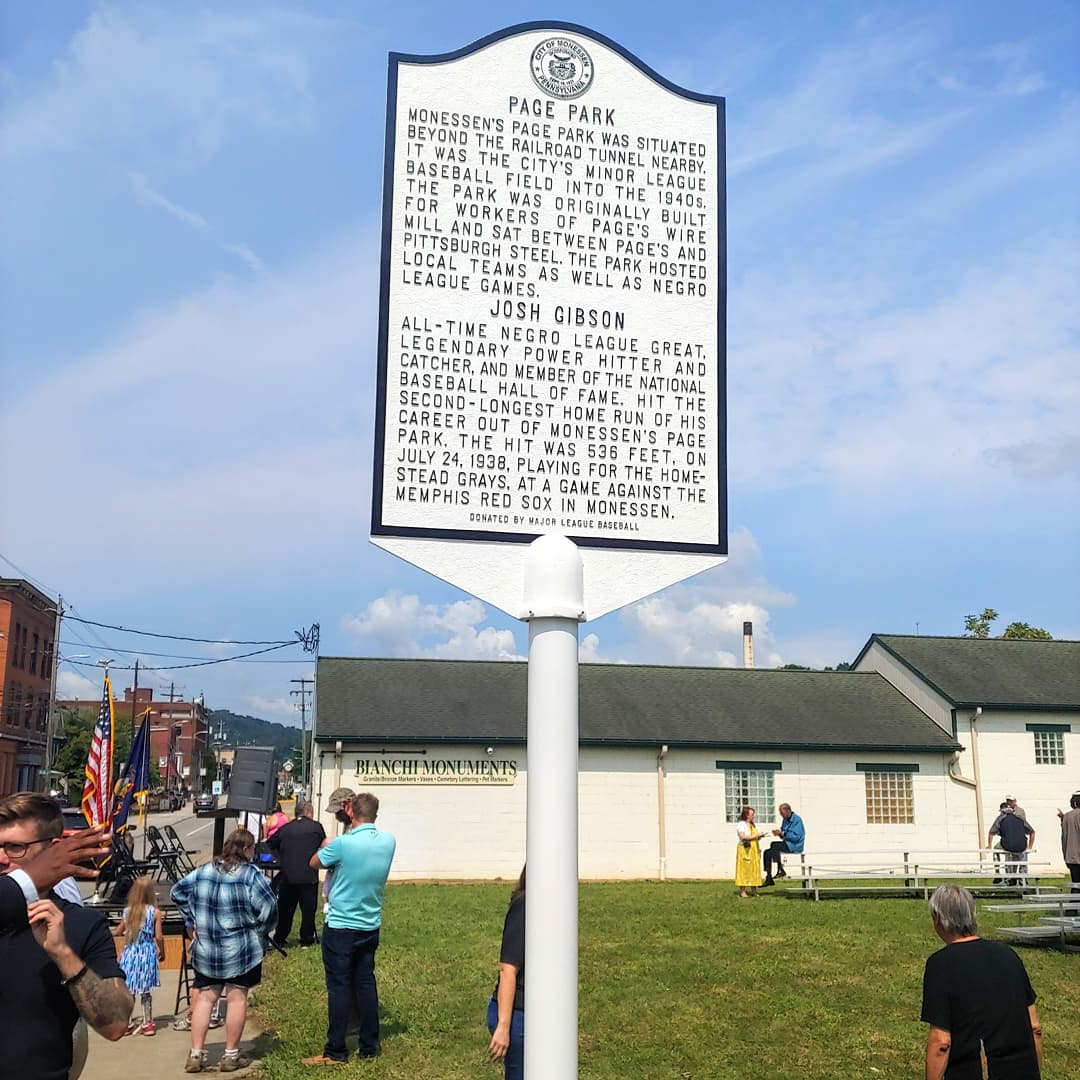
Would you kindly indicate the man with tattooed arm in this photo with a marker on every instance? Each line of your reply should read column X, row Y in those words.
column 57, row 960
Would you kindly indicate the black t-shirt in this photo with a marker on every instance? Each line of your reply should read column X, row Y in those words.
column 38, row 1012
column 295, row 843
column 513, row 946
column 979, row 991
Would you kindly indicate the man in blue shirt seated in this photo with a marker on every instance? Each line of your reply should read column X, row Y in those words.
column 361, row 861
column 792, row 835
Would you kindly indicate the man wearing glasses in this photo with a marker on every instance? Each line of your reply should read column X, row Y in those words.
column 57, row 960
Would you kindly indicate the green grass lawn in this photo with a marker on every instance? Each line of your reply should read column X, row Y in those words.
column 678, row 980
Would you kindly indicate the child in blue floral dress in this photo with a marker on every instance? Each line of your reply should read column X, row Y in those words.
column 144, row 946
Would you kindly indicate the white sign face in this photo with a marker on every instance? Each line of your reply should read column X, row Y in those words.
column 436, row 771
column 551, row 326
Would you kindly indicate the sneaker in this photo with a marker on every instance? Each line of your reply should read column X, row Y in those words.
column 781, row 872
column 195, row 1062
column 767, row 882
column 322, row 1059
column 216, row 1022
column 233, row 1062
column 149, row 1028
column 183, row 1024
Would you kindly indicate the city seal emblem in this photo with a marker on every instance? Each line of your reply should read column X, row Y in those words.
column 561, row 68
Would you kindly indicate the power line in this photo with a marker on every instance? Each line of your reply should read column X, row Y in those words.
column 168, row 656
column 29, row 577
column 143, row 652
column 204, row 663
column 178, row 637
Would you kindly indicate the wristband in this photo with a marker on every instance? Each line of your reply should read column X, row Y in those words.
column 76, row 977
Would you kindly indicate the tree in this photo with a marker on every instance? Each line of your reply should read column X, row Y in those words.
column 979, row 625
column 1024, row 631
column 78, row 731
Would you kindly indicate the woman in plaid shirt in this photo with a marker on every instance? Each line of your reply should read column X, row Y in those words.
column 233, row 909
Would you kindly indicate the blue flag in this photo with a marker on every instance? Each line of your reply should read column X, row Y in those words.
column 135, row 779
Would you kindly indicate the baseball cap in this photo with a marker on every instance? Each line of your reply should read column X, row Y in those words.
column 338, row 797
column 1010, row 798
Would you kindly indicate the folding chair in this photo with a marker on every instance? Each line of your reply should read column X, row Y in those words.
column 164, row 853
column 183, row 856
column 126, row 868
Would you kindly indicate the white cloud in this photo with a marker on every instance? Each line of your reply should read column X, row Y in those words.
column 246, row 255
column 146, row 195
column 187, row 74
column 402, row 625
column 699, row 622
column 283, row 710
column 71, row 686
column 832, row 117
column 232, row 392
column 832, row 385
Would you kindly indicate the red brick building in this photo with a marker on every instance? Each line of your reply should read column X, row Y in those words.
column 27, row 659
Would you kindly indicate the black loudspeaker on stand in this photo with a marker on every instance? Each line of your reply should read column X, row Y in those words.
column 253, row 780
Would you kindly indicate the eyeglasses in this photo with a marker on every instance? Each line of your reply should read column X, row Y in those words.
column 16, row 849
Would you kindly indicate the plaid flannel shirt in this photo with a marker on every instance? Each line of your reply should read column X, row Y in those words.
column 233, row 911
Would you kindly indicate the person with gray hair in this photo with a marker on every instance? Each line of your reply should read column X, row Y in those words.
column 977, row 999
column 297, row 883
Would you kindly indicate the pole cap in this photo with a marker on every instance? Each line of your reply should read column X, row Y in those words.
column 554, row 579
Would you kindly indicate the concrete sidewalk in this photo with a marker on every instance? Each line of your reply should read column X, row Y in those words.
column 143, row 1057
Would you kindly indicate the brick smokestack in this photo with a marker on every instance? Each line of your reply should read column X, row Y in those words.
column 747, row 644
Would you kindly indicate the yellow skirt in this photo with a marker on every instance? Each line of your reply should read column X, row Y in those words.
column 747, row 864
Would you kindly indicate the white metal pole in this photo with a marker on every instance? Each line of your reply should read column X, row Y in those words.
column 553, row 594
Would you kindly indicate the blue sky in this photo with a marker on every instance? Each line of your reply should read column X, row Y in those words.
column 189, row 204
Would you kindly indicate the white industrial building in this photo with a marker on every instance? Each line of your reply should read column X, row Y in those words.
column 912, row 751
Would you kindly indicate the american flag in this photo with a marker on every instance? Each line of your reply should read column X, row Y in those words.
column 97, row 791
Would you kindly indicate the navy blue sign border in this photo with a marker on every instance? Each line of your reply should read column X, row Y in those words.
column 377, row 526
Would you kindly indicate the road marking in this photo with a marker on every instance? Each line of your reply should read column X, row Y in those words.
column 199, row 828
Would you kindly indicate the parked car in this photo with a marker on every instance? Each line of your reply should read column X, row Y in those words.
column 74, row 820
column 205, row 801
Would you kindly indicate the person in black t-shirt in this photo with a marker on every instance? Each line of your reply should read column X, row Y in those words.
column 506, row 1009
column 57, row 960
column 977, row 999
column 294, row 844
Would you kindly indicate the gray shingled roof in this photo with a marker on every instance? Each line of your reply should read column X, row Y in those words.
column 1012, row 673
column 484, row 701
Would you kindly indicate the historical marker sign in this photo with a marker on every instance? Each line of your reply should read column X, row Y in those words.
column 551, row 348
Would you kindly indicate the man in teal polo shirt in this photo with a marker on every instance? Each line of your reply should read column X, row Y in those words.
column 360, row 859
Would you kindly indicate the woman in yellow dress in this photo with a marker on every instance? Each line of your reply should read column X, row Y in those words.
column 747, row 854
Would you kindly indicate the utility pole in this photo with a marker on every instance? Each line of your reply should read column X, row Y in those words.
column 134, row 698
column 51, row 726
column 302, row 693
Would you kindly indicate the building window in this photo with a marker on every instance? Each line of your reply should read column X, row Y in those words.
column 1049, row 747
column 890, row 798
column 47, row 663
column 17, row 640
column 748, row 784
column 34, row 655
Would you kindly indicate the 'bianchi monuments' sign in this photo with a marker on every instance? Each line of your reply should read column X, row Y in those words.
column 551, row 347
